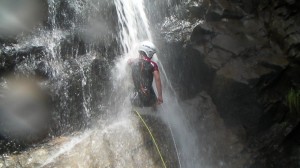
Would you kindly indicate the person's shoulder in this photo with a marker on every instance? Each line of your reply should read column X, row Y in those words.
column 154, row 65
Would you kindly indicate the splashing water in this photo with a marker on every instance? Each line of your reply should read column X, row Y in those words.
column 66, row 148
column 132, row 18
column 134, row 28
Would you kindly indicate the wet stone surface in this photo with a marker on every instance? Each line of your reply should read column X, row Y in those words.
column 123, row 143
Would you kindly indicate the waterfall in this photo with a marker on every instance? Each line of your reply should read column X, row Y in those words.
column 134, row 28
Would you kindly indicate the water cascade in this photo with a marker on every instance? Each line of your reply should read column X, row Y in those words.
column 134, row 29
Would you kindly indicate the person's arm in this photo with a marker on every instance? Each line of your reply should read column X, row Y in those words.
column 158, row 87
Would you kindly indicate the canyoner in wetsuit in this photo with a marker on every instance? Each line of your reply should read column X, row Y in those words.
column 143, row 71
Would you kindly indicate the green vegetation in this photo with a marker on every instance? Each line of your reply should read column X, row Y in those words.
column 293, row 99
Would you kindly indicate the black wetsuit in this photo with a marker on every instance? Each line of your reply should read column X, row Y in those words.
column 142, row 75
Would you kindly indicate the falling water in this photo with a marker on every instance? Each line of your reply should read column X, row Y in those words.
column 134, row 28
column 133, row 23
column 132, row 18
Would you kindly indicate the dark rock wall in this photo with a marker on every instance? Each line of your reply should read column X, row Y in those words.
column 245, row 55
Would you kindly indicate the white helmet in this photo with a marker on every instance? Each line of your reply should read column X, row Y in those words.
column 148, row 48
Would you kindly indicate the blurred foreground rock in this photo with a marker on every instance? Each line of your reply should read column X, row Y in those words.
column 24, row 113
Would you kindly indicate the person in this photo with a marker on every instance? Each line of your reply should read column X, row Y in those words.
column 143, row 72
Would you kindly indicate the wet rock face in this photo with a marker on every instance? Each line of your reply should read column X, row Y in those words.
column 123, row 143
column 69, row 47
column 247, row 56
column 10, row 58
column 219, row 146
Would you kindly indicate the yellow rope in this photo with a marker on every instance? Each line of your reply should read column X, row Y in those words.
column 153, row 139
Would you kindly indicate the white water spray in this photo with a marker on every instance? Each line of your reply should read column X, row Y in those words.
column 134, row 28
column 132, row 18
column 133, row 23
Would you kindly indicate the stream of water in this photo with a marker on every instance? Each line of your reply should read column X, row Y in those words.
column 134, row 29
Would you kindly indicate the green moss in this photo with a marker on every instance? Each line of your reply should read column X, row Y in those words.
column 293, row 100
